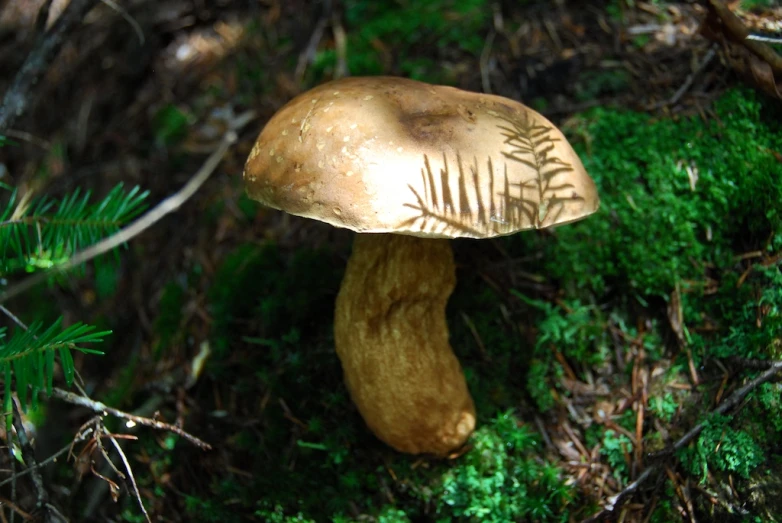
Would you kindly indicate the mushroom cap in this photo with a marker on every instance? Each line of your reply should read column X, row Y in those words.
column 386, row 154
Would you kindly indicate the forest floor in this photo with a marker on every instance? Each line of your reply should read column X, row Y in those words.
column 592, row 351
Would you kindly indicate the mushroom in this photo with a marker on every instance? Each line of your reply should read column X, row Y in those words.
column 409, row 165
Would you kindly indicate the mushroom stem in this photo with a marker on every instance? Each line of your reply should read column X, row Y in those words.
column 391, row 336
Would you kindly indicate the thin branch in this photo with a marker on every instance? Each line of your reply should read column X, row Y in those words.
column 307, row 56
column 101, row 408
column 15, row 510
column 28, row 137
column 39, row 465
column 130, row 473
column 37, row 62
column 614, row 502
column 167, row 206
column 13, row 317
column 734, row 399
column 766, row 39
column 129, row 19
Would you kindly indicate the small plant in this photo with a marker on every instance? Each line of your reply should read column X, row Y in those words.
column 722, row 448
column 500, row 479
column 39, row 234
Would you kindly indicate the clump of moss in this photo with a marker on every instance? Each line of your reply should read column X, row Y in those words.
column 502, row 479
column 721, row 447
column 675, row 197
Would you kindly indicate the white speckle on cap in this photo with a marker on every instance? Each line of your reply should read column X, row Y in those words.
column 368, row 97
column 353, row 126
column 329, row 128
column 400, row 149
column 320, row 164
column 493, row 113
column 335, row 93
column 320, row 145
column 271, row 152
column 346, row 139
column 285, row 132
column 314, row 101
column 279, row 159
column 337, row 211
column 349, row 174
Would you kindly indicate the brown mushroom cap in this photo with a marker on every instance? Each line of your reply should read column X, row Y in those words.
column 384, row 154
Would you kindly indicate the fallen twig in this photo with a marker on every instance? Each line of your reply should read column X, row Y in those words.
column 102, row 408
column 614, row 502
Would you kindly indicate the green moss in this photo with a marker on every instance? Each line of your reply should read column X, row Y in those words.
column 666, row 190
column 722, row 448
column 575, row 331
column 616, row 447
column 664, row 406
column 501, row 479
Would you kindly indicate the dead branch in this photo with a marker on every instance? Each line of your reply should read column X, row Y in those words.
column 102, row 408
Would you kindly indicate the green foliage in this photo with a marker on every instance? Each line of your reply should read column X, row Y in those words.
column 615, row 449
column 575, row 330
column 501, row 479
column 758, row 4
column 769, row 397
column 40, row 234
column 664, row 406
column 170, row 124
column 666, row 187
column 27, row 358
column 745, row 336
column 721, row 447
column 379, row 30
column 45, row 232
column 277, row 515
